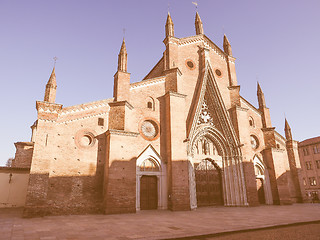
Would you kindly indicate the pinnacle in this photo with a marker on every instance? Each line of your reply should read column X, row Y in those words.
column 225, row 40
column 258, row 87
column 169, row 19
column 286, row 125
column 123, row 48
column 198, row 19
column 287, row 130
column 52, row 79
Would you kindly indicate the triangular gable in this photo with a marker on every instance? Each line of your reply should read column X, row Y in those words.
column 156, row 71
column 148, row 152
column 209, row 108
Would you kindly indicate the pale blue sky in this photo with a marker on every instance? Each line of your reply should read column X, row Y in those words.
column 274, row 41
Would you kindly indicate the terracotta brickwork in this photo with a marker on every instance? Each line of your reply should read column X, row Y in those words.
column 309, row 155
column 23, row 156
column 90, row 158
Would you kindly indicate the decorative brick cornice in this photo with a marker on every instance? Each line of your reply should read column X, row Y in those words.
column 171, row 39
column 62, row 121
column 207, row 43
column 147, row 82
column 46, row 107
column 85, row 107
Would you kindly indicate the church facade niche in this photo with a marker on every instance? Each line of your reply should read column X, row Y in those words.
column 151, row 182
column 262, row 181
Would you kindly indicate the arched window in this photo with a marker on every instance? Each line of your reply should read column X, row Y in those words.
column 258, row 167
column 251, row 122
column 149, row 165
column 258, row 171
column 150, row 103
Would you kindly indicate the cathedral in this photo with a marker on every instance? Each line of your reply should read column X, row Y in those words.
column 181, row 138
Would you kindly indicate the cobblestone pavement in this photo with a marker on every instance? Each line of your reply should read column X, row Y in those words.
column 160, row 224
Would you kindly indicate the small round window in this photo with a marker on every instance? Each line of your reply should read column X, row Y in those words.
column 85, row 138
column 149, row 130
column 190, row 64
column 218, row 72
column 254, row 142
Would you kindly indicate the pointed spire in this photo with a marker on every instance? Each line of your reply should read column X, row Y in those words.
column 52, row 79
column 169, row 26
column 287, row 130
column 227, row 46
column 122, row 58
column 261, row 99
column 50, row 93
column 198, row 24
column 259, row 90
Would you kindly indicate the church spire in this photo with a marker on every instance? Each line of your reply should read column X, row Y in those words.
column 122, row 58
column 261, row 99
column 51, row 88
column 169, row 26
column 227, row 46
column 198, row 24
column 287, row 130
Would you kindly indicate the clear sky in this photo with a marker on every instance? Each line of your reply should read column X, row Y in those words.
column 275, row 42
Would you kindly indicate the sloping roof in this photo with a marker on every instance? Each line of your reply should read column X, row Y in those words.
column 310, row 141
column 156, row 71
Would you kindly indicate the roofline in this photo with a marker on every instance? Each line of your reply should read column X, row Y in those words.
column 254, row 108
column 145, row 78
column 309, row 141
column 88, row 103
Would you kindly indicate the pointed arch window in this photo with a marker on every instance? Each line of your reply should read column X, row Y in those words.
column 149, row 165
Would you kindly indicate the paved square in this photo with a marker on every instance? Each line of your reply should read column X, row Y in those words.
column 152, row 224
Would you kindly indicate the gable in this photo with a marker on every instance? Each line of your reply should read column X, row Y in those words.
column 148, row 152
column 209, row 109
column 156, row 71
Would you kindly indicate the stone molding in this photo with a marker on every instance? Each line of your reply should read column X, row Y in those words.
column 121, row 103
column 24, row 144
column 14, row 170
column 122, row 133
column 249, row 105
column 147, row 82
column 176, row 69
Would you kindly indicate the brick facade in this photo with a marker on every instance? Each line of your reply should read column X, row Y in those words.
column 186, row 114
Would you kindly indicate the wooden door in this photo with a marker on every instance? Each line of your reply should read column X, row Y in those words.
column 260, row 189
column 148, row 193
column 208, row 184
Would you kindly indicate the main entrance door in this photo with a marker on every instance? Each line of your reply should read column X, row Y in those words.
column 208, row 184
column 148, row 193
